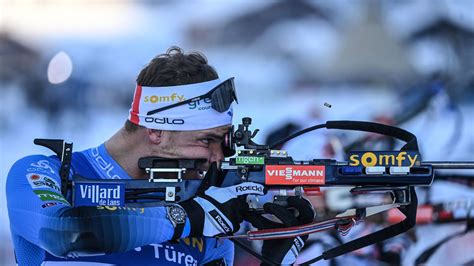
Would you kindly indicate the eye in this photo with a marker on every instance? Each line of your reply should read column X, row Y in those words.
column 205, row 141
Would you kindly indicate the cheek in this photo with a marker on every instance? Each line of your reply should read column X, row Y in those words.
column 183, row 150
column 216, row 149
column 195, row 153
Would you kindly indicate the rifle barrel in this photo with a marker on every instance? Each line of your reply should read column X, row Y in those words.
column 450, row 164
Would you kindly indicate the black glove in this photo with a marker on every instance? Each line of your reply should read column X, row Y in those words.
column 284, row 251
column 218, row 211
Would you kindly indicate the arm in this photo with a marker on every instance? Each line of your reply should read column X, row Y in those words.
column 66, row 231
column 40, row 215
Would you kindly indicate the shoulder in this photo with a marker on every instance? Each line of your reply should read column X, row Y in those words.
column 33, row 168
column 36, row 163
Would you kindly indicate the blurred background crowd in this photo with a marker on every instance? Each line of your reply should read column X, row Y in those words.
column 68, row 69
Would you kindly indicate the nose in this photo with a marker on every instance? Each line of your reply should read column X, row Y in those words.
column 217, row 154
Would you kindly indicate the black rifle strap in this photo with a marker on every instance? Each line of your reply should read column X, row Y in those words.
column 252, row 252
column 398, row 133
column 423, row 258
column 381, row 235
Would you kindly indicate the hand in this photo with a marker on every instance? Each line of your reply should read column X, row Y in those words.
column 219, row 211
column 284, row 251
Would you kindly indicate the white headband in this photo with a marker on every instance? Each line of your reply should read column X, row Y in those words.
column 196, row 115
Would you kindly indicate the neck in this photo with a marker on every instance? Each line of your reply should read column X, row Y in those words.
column 126, row 148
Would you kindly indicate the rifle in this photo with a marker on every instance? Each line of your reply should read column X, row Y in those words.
column 392, row 172
column 278, row 171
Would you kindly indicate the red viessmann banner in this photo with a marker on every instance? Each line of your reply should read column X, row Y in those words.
column 295, row 174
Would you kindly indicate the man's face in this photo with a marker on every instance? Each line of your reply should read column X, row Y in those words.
column 198, row 144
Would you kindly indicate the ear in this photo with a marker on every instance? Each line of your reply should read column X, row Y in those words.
column 154, row 135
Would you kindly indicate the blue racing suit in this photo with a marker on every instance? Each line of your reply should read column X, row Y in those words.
column 46, row 229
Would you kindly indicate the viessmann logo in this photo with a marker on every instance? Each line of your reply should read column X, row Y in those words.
column 295, row 174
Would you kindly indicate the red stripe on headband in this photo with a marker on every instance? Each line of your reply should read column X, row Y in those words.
column 135, row 105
